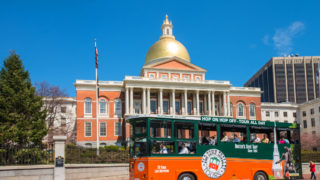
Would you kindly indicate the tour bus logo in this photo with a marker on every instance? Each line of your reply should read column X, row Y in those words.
column 214, row 163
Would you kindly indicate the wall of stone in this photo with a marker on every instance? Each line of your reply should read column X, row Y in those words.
column 34, row 172
column 73, row 172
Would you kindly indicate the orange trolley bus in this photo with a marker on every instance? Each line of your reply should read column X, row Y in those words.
column 168, row 148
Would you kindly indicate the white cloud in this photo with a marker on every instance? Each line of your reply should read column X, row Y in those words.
column 282, row 39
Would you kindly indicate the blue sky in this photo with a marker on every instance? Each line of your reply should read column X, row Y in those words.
column 231, row 39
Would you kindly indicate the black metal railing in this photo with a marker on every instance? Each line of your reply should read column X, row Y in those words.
column 31, row 155
column 80, row 155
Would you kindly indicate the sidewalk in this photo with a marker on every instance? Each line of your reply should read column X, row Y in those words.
column 307, row 176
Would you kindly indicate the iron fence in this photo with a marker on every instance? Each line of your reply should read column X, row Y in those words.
column 80, row 155
column 310, row 156
column 31, row 155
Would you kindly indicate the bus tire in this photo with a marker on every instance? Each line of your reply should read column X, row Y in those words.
column 260, row 176
column 186, row 176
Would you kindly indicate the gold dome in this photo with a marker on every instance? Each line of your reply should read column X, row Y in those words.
column 167, row 46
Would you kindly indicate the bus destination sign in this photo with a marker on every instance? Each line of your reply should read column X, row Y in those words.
column 235, row 121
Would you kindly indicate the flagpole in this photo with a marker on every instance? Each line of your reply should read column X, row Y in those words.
column 97, row 98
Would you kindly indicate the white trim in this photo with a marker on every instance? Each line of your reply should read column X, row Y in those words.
column 85, row 107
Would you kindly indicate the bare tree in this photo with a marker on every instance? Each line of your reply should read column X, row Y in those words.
column 53, row 97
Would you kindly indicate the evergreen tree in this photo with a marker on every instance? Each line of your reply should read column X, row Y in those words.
column 22, row 118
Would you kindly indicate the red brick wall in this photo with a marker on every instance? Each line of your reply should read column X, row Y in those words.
column 246, row 101
column 110, row 96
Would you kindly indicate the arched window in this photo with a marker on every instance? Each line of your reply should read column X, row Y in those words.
column 117, row 107
column 88, row 145
column 241, row 110
column 103, row 106
column 87, row 106
column 252, row 110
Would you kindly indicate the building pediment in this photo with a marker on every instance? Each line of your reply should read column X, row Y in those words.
column 174, row 63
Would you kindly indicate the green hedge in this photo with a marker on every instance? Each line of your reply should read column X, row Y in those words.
column 307, row 156
column 108, row 154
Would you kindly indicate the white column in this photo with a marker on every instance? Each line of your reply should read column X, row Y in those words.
column 127, row 100
column 213, row 104
column 220, row 105
column 209, row 103
column 194, row 104
column 198, row 102
column 173, row 95
column 148, row 100
column 161, row 101
column 131, row 100
column 144, row 100
column 185, row 102
column 228, row 104
column 224, row 104
column 205, row 106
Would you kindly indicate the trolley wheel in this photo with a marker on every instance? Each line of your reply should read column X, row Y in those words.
column 186, row 176
column 260, row 176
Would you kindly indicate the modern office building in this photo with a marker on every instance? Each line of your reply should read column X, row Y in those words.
column 169, row 85
column 292, row 79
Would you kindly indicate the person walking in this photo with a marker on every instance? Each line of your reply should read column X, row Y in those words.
column 312, row 170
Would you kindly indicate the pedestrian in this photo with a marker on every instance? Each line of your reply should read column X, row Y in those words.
column 312, row 170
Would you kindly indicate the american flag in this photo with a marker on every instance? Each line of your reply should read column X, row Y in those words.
column 96, row 51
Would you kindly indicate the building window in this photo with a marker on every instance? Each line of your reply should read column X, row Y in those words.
column 151, row 76
column 103, row 129
column 117, row 107
column 285, row 114
column 88, row 145
column 164, row 76
column 319, row 108
column 198, row 78
column 87, row 106
column 102, row 106
column 63, row 109
column 88, row 129
column 313, row 123
column 153, row 106
column 175, row 76
column 63, row 121
column 189, row 104
column 312, row 111
column 286, row 121
column 252, row 110
column 241, row 110
column 276, row 114
column 137, row 107
column 177, row 107
column 201, row 107
column 103, row 144
column 231, row 109
column 304, row 114
column 294, row 114
column 165, row 105
column 305, row 124
column 313, row 132
column 117, row 128
column 186, row 77
column 267, row 114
